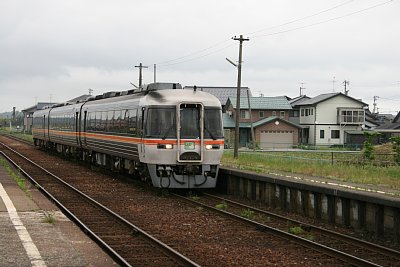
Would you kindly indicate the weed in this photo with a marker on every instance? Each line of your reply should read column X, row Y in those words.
column 18, row 179
column 247, row 213
column 310, row 237
column 296, row 230
column 195, row 198
column 199, row 208
column 222, row 206
column 49, row 217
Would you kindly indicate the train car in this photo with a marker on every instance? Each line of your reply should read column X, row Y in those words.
column 167, row 135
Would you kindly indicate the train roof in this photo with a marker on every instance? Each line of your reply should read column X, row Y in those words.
column 155, row 94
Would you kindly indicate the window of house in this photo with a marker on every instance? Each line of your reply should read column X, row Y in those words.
column 311, row 111
column 244, row 114
column 335, row 134
column 307, row 110
column 352, row 116
column 282, row 114
column 302, row 112
column 261, row 114
column 321, row 134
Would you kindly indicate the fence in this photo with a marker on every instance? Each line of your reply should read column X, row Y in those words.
column 333, row 157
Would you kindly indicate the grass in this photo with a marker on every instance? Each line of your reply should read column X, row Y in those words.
column 27, row 137
column 16, row 177
column 222, row 206
column 49, row 218
column 317, row 165
column 247, row 213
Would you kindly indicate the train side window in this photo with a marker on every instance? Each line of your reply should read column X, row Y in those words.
column 124, row 121
column 88, row 121
column 92, row 121
column 110, row 121
column 132, row 122
column 98, row 121
column 103, row 123
column 117, row 121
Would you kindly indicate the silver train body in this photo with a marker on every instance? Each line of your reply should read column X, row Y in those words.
column 167, row 135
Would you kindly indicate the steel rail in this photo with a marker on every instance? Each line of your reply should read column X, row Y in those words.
column 362, row 243
column 181, row 259
column 302, row 241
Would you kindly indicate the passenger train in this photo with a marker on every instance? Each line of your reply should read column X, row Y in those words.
column 169, row 136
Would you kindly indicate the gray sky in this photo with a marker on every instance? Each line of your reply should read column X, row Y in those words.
column 56, row 50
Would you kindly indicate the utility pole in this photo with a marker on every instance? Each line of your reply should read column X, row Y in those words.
column 375, row 111
column 140, row 73
column 302, row 88
column 346, row 83
column 239, row 80
column 251, row 122
column 155, row 72
column 333, row 84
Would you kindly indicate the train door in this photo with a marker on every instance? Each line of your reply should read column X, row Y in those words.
column 82, row 133
column 44, row 127
column 140, row 129
column 190, row 135
column 77, row 128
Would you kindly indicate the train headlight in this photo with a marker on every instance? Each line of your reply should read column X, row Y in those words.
column 209, row 147
column 165, row 146
column 169, row 146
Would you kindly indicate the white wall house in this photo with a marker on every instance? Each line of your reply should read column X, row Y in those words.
column 327, row 118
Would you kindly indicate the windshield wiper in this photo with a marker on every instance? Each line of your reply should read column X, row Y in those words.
column 167, row 132
column 212, row 136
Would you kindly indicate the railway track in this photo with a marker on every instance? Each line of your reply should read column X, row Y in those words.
column 125, row 242
column 351, row 250
column 202, row 235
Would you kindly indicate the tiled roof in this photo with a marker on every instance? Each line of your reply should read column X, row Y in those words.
column 39, row 105
column 222, row 93
column 229, row 122
column 298, row 100
column 323, row 97
column 270, row 103
column 389, row 126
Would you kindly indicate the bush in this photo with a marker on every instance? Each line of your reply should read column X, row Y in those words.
column 396, row 148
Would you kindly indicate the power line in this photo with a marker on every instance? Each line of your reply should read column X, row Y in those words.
column 168, row 62
column 195, row 58
column 324, row 21
column 182, row 59
column 303, row 18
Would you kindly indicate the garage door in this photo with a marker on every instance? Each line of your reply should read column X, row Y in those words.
column 276, row 139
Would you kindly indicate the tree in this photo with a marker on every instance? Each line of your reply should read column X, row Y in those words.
column 396, row 148
column 369, row 146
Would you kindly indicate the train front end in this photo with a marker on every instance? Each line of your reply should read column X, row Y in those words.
column 184, row 140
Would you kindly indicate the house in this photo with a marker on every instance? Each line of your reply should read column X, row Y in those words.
column 329, row 119
column 269, row 119
column 28, row 115
column 294, row 114
column 371, row 120
column 390, row 129
column 222, row 93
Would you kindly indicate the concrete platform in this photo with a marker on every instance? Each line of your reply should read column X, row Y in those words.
column 26, row 239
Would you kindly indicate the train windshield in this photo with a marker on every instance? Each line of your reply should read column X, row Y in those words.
column 161, row 123
column 213, row 123
column 190, row 121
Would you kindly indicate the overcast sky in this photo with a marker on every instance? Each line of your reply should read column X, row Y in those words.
column 56, row 50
